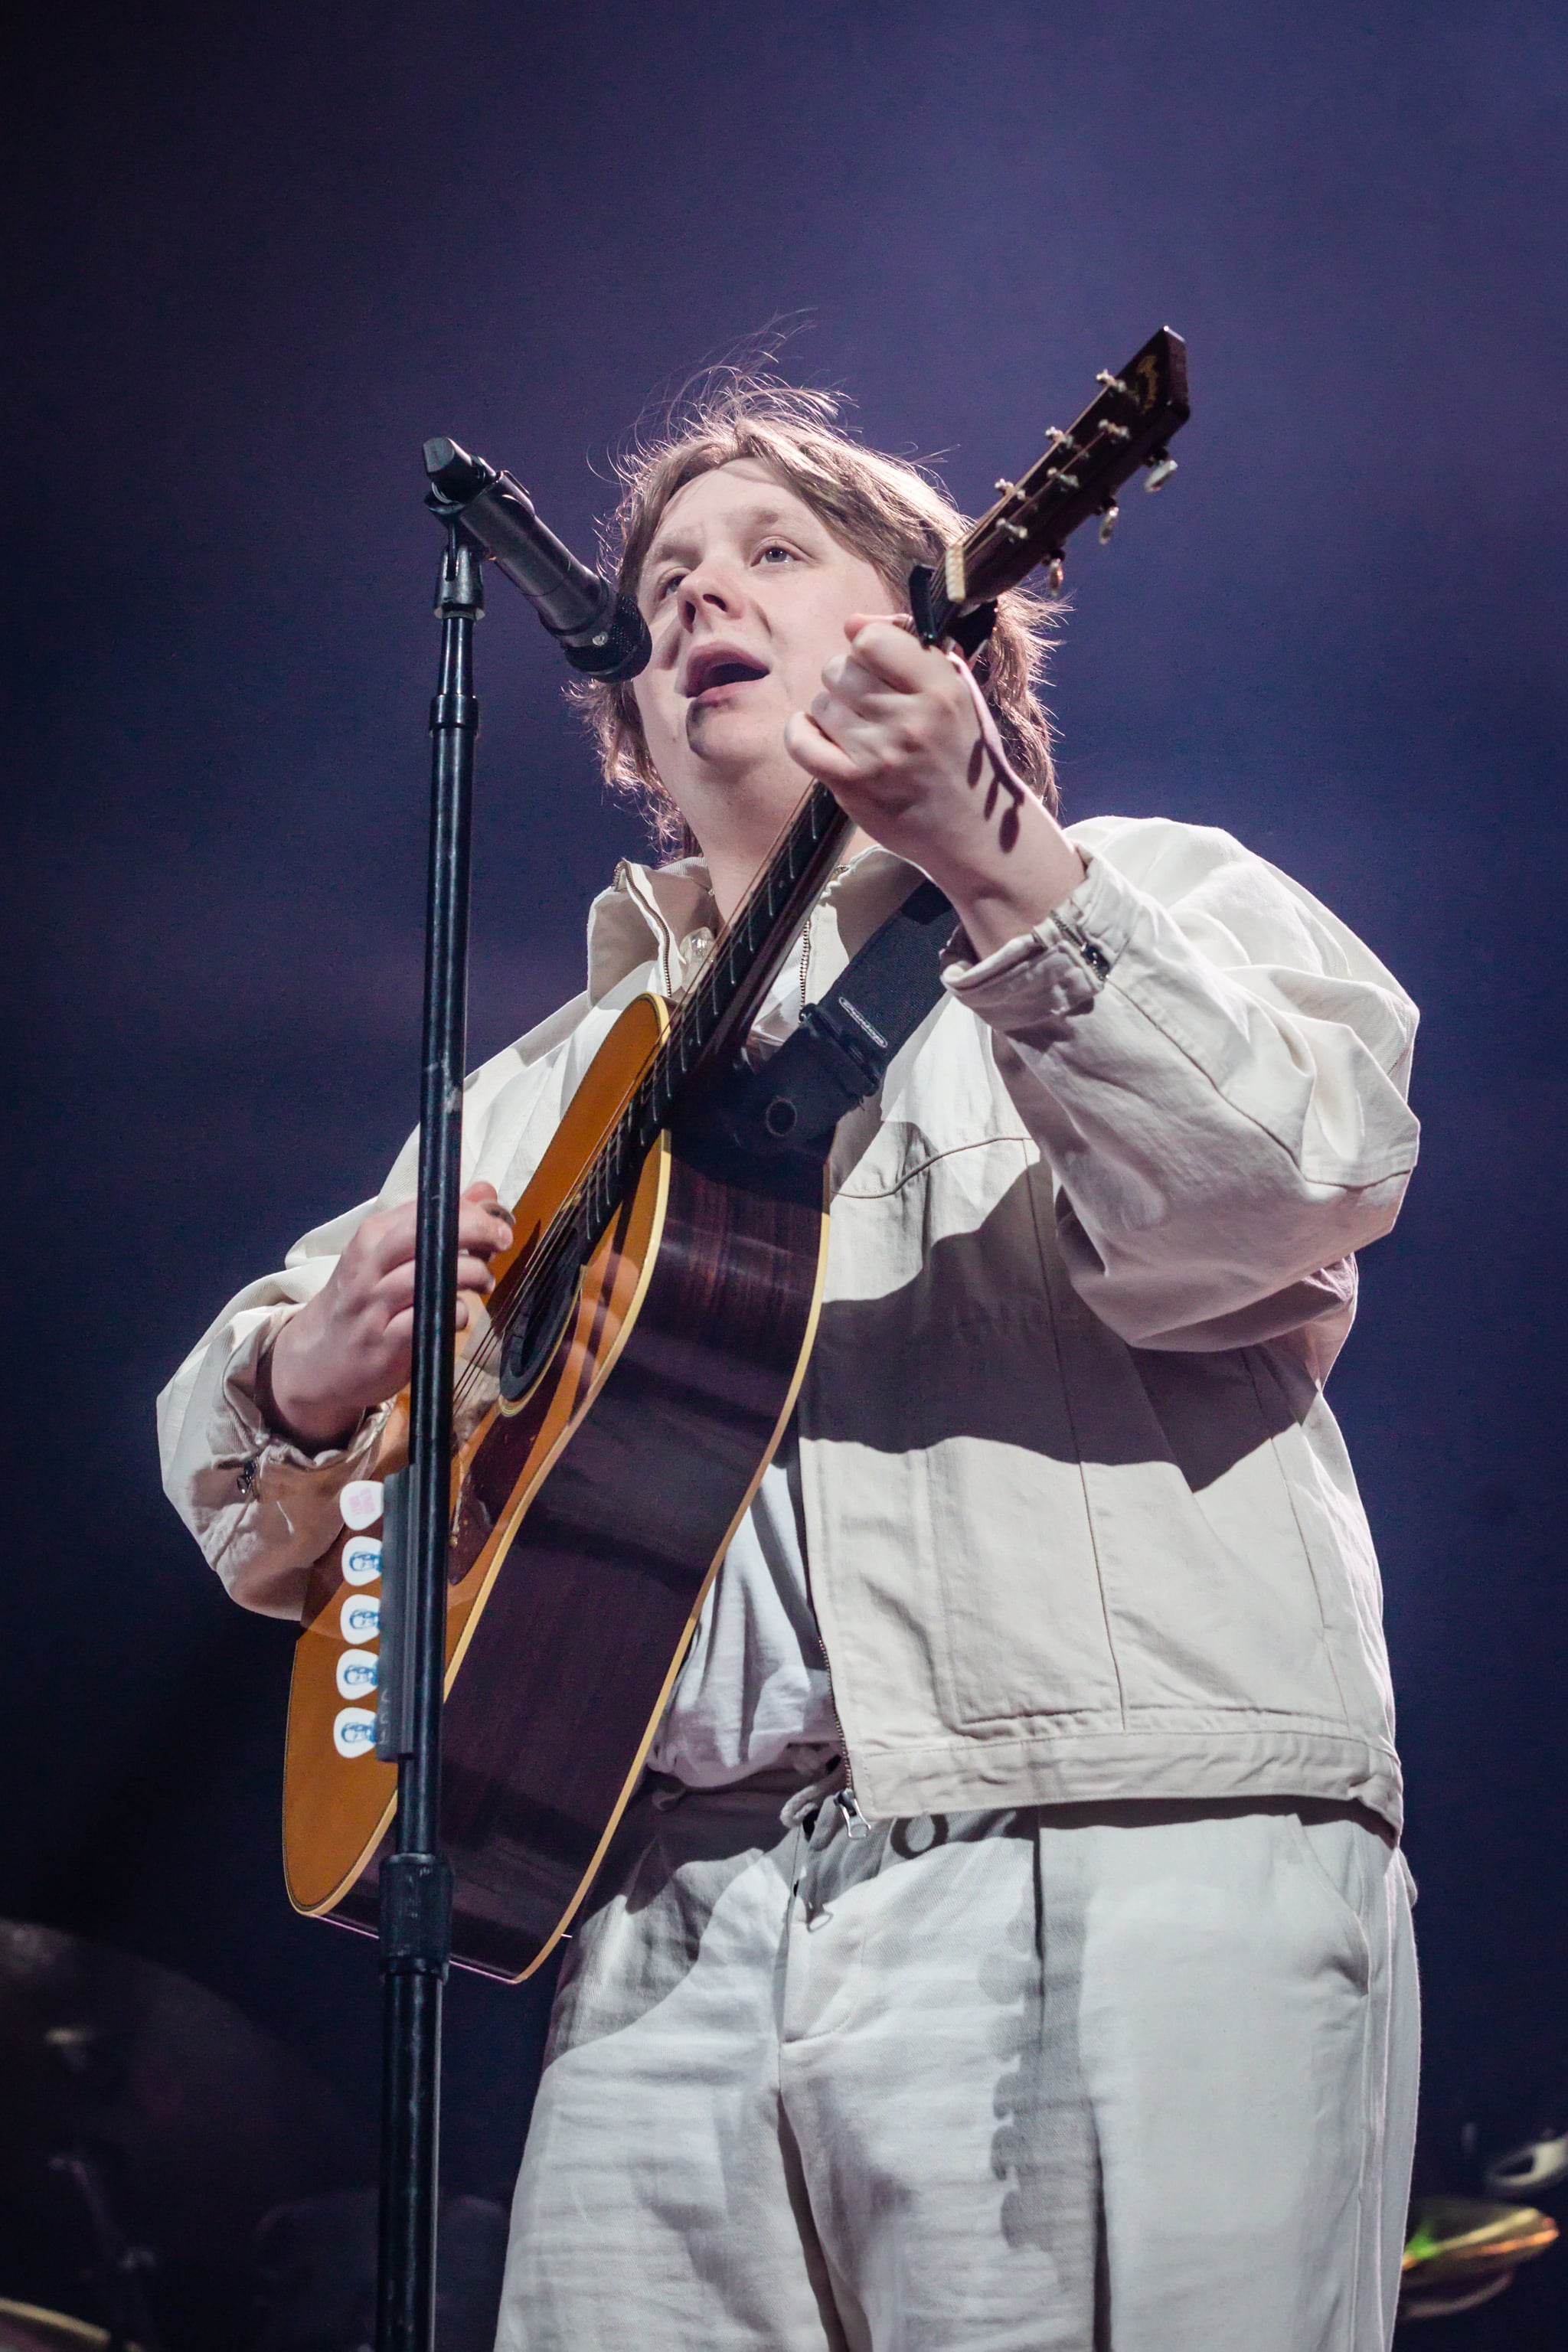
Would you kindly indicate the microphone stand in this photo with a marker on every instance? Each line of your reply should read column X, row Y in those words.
column 416, row 1925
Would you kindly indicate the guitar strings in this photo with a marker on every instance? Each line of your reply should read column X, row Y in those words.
column 703, row 1006
column 527, row 1278
column 564, row 1236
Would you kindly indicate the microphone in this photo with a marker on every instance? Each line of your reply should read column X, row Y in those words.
column 600, row 633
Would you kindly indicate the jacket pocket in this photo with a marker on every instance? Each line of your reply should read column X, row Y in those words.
column 1023, row 1615
column 1211, row 1596
column 935, row 1407
column 1342, row 1857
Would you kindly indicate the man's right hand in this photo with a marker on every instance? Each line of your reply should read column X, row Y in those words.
column 352, row 1344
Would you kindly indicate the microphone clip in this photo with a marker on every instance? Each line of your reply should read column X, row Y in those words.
column 601, row 632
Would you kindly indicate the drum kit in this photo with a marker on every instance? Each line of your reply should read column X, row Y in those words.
column 148, row 2129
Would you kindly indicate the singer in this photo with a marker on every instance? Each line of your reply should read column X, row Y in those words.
column 1103, row 2029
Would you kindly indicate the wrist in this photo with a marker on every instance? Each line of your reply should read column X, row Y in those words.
column 1009, row 892
column 291, row 1415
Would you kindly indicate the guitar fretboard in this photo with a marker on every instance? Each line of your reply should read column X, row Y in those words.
column 711, row 1021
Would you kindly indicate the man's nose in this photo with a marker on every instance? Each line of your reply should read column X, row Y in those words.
column 712, row 587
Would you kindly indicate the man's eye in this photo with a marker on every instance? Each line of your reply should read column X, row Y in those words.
column 775, row 548
column 671, row 580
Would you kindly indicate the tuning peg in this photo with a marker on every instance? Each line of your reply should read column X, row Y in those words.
column 1056, row 572
column 1111, row 382
column 1161, row 466
column 1004, row 485
column 1108, row 514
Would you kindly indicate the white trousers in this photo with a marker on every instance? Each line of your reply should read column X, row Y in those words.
column 1141, row 2078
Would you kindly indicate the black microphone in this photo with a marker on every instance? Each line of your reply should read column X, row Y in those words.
column 599, row 632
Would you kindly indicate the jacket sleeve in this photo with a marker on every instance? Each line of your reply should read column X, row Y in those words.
column 262, row 1510
column 1215, row 1068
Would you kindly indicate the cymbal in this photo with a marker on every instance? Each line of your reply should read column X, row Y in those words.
column 1469, row 2237
column 198, row 2122
column 1450, row 2296
column 25, row 2327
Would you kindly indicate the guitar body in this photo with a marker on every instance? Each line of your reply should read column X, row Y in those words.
column 589, row 1517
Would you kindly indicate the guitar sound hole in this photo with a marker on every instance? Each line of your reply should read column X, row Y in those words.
column 537, row 1333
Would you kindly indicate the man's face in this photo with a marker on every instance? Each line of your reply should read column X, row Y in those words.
column 746, row 593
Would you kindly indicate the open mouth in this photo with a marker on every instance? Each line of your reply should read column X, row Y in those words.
column 714, row 667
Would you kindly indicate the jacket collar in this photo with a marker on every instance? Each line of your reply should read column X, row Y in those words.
column 643, row 917
column 665, row 916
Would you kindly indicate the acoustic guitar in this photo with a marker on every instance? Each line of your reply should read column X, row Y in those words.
column 642, row 1350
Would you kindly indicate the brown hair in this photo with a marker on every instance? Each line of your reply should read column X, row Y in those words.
column 886, row 510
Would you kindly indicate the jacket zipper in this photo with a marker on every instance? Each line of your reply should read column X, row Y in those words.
column 856, row 1825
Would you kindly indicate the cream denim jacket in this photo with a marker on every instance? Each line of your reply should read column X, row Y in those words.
column 1081, row 1526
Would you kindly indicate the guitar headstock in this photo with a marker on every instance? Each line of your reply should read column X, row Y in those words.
column 1128, row 424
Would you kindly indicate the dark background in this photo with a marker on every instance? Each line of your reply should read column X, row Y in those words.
column 257, row 256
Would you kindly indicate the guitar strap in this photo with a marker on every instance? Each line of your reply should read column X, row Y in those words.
column 841, row 1050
